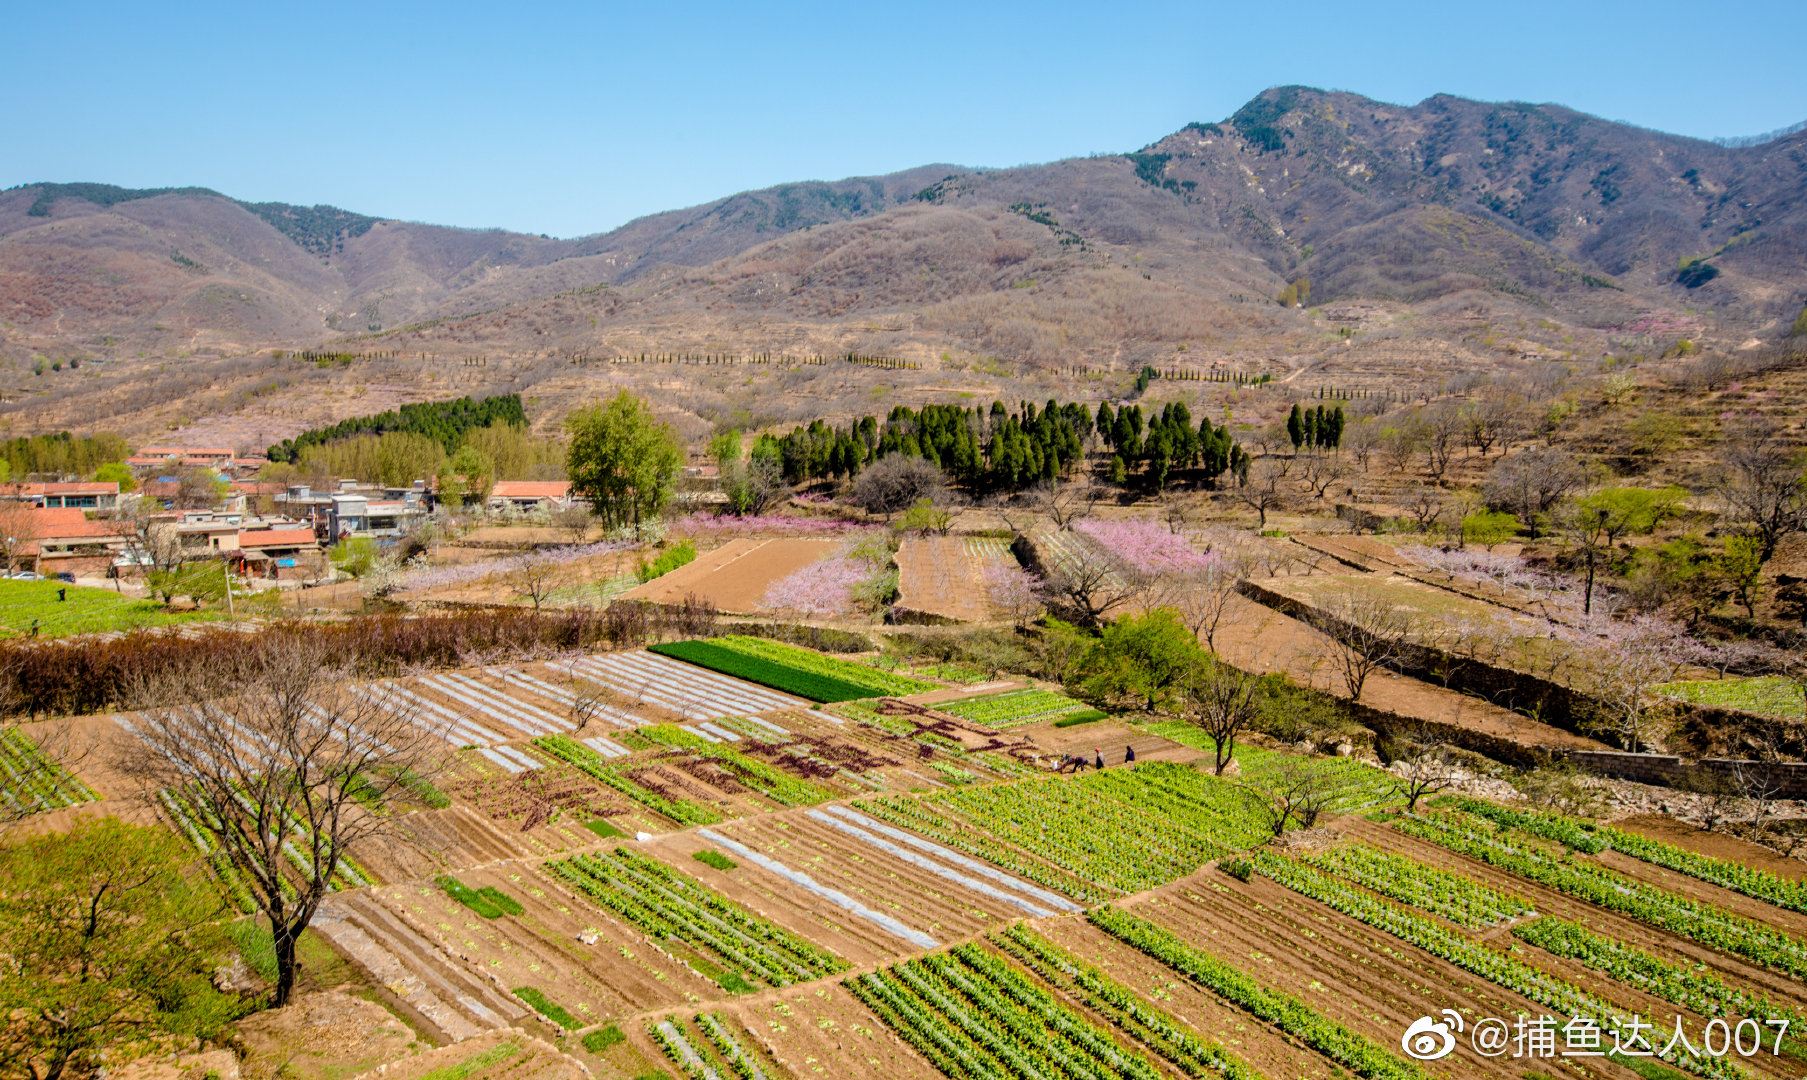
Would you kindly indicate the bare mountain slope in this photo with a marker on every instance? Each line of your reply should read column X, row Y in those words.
column 1579, row 220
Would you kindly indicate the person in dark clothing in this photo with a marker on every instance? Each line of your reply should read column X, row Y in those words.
column 1129, row 755
column 1098, row 759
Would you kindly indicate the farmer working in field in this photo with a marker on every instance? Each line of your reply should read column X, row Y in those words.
column 1098, row 759
column 1129, row 755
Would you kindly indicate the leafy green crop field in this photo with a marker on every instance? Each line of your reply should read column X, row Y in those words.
column 1016, row 707
column 86, row 611
column 1773, row 696
column 790, row 669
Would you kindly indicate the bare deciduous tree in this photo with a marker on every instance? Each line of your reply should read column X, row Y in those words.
column 1321, row 472
column 1421, row 763
column 1263, row 493
column 1297, row 790
column 1090, row 583
column 1367, row 632
column 1221, row 701
column 576, row 520
column 1202, row 597
column 535, row 576
column 1530, row 482
column 1763, row 482
column 288, row 766
column 1065, row 501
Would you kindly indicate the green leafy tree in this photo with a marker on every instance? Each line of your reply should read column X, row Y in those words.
column 1741, row 566
column 467, row 476
column 117, row 472
column 623, row 460
column 1489, row 528
column 108, row 940
column 1595, row 523
column 354, row 555
column 924, row 518
column 1146, row 659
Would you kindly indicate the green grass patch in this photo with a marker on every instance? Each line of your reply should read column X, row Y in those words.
column 1089, row 716
column 734, row 983
column 508, row 904
column 547, row 1008
column 715, row 859
column 603, row 829
column 477, row 900
column 86, row 611
column 1772, row 696
column 603, row 1038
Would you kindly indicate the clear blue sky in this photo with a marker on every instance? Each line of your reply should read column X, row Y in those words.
column 573, row 118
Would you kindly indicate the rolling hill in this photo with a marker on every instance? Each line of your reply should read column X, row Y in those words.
column 1447, row 212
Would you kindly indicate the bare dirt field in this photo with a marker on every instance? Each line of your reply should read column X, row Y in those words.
column 945, row 575
column 1260, row 639
column 736, row 576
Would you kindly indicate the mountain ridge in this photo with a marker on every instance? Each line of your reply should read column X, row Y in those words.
column 1584, row 219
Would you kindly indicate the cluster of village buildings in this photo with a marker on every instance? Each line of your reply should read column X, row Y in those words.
column 260, row 529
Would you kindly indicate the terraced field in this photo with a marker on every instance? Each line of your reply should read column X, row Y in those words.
column 653, row 868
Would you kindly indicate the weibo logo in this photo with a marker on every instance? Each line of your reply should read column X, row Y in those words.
column 1429, row 1038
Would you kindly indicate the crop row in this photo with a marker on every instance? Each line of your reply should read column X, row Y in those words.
column 1456, row 897
column 1471, row 956
column 741, row 1063
column 1690, row 987
column 1699, row 921
column 669, row 905
column 1147, row 1024
column 1593, row 839
column 920, row 817
column 31, row 781
column 1355, row 785
column 199, row 825
column 974, row 1016
column 1102, row 840
column 1357, row 1053
column 588, row 761
column 1016, row 707
column 1223, row 812
column 772, row 782
column 791, row 669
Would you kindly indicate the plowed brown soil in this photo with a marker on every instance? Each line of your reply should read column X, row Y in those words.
column 736, row 576
column 937, row 575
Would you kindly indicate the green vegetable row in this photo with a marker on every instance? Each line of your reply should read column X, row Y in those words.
column 1357, row 1053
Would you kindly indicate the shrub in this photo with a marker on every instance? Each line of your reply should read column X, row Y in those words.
column 677, row 555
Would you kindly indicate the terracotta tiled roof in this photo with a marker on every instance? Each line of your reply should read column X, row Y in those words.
column 530, row 489
column 276, row 538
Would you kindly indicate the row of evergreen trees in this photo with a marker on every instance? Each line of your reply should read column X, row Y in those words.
column 445, row 422
column 1167, row 444
column 1315, row 429
column 997, row 450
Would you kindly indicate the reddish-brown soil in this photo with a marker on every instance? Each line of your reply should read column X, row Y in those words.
column 1718, row 845
column 1260, row 639
column 322, row 1036
column 939, row 575
column 735, row 576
